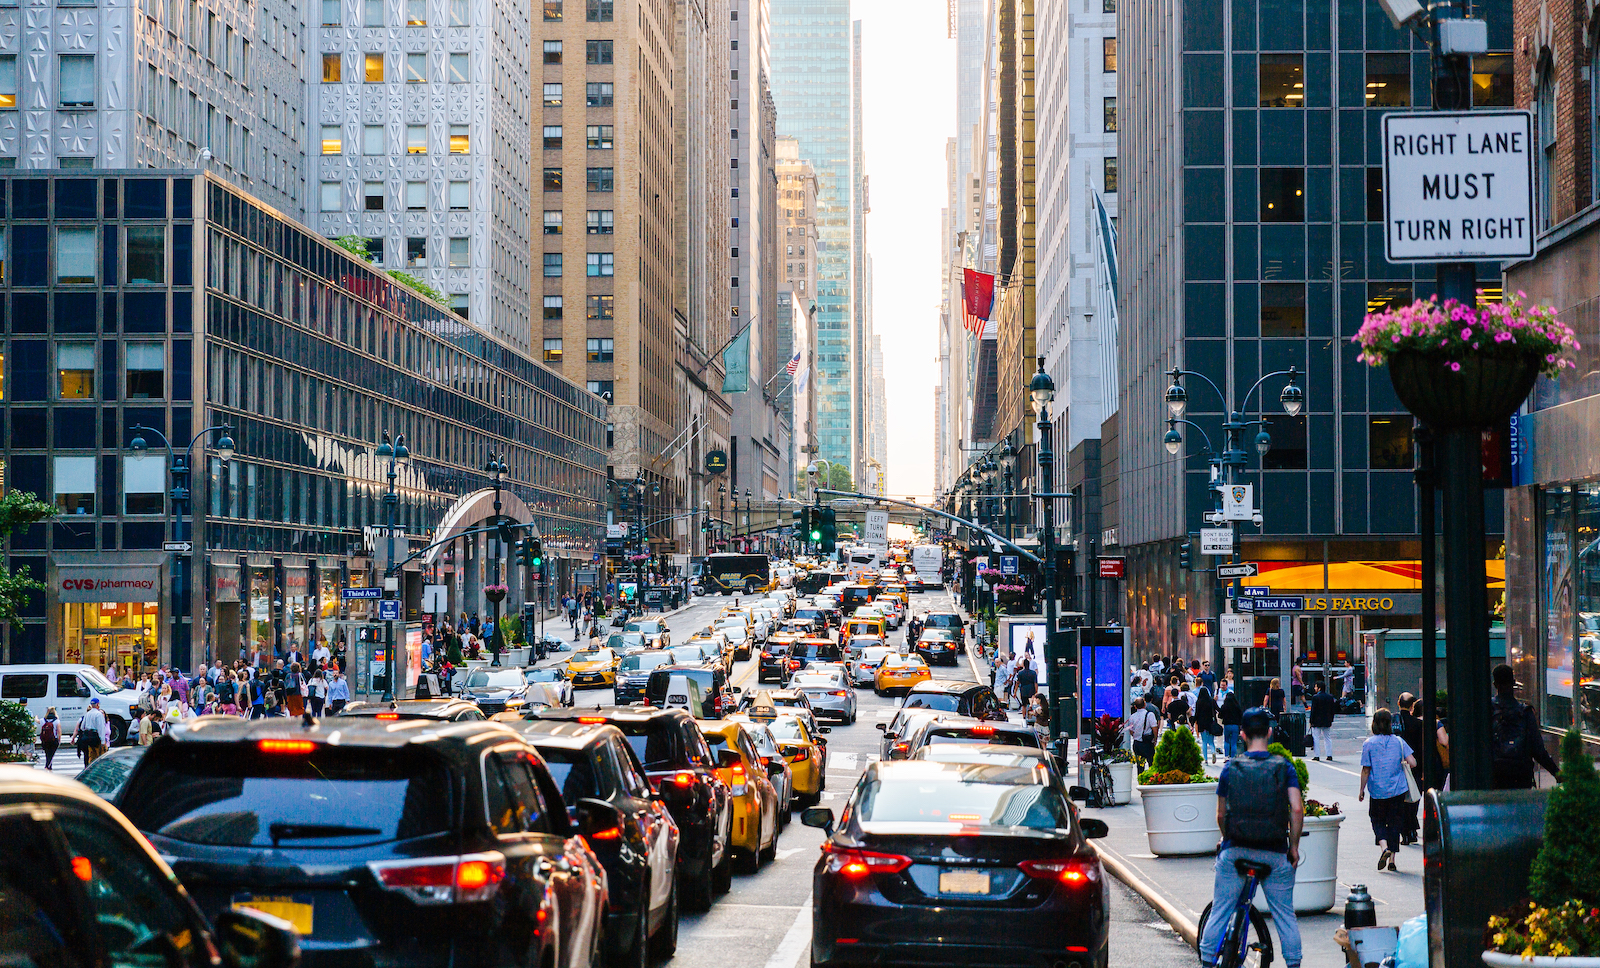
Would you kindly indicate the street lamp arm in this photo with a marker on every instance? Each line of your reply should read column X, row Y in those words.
column 1190, row 423
column 949, row 517
column 1245, row 404
column 1222, row 398
column 142, row 429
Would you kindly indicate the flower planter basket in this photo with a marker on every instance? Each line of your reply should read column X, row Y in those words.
column 1487, row 388
column 1497, row 959
column 1122, row 781
column 495, row 594
column 1317, row 877
column 1180, row 818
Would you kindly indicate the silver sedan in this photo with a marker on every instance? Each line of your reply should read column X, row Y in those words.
column 829, row 692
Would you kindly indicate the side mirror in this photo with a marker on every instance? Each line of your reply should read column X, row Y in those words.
column 1081, row 793
column 597, row 816
column 882, row 727
column 250, row 939
column 1093, row 828
column 824, row 729
column 775, row 767
column 727, row 759
column 819, row 817
column 737, row 691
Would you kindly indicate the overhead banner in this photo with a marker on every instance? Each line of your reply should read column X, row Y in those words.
column 977, row 292
column 736, row 364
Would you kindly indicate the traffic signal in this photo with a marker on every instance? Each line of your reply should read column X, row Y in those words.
column 536, row 554
column 802, row 523
column 1202, row 627
column 826, row 532
column 1186, row 555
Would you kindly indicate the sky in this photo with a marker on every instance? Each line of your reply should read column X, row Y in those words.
column 908, row 80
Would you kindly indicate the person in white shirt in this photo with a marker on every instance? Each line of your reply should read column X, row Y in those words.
column 1142, row 727
column 321, row 654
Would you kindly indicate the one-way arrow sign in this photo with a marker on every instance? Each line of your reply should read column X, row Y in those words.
column 184, row 546
column 1245, row 569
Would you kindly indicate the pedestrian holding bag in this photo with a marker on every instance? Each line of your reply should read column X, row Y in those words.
column 1412, row 793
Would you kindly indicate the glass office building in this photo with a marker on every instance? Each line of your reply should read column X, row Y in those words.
column 173, row 301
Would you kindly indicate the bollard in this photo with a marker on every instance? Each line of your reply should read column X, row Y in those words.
column 1359, row 911
column 1478, row 846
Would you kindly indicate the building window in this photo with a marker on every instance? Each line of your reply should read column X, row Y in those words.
column 459, row 256
column 144, row 484
column 1108, row 6
column 598, row 136
column 147, row 254
column 597, row 11
column 1283, row 192
column 416, row 196
column 74, row 485
column 1493, row 82
column 1288, row 451
column 332, row 13
column 374, row 69
column 552, row 265
column 416, row 139
column 146, row 374
column 1389, row 442
column 1283, row 309
column 600, row 264
column 605, row 389
column 330, row 198
column 375, row 250
column 1108, row 114
column 416, row 252
column 552, row 351
column 416, row 13
column 552, row 179
column 735, row 283
column 8, row 81
column 77, row 80
column 611, row 435
column 1545, row 118
column 460, row 66
column 460, row 304
column 75, row 371
column 552, row 95
column 602, row 307
column 1108, row 174
column 552, row 10
column 1375, row 194
column 601, row 350
column 332, row 139
column 416, row 68
column 598, row 95
column 552, row 136
column 552, row 307
column 552, row 52
column 1388, row 296
column 75, row 256
column 601, row 222
column 372, row 192
column 332, row 68
column 1388, row 80
column 1282, row 81
column 372, row 140
column 600, row 179
column 460, row 196
column 460, row 141
column 1108, row 55
column 372, row 13
column 552, row 223
column 597, row 51
column 460, row 13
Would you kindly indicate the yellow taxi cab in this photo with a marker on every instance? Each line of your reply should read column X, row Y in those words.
column 807, row 754
column 899, row 591
column 754, row 835
column 874, row 626
column 898, row 673
column 593, row 667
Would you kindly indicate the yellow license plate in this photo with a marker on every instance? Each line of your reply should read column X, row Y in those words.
column 297, row 913
column 963, row 882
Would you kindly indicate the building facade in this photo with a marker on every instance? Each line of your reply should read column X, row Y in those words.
column 173, row 301
column 797, row 213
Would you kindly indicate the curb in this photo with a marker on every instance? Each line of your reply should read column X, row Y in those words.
column 1185, row 928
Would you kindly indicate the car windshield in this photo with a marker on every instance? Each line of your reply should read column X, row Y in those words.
column 236, row 796
column 547, row 674
column 977, row 795
column 654, row 747
column 98, row 682
column 640, row 661
column 625, row 640
column 943, row 621
column 940, row 635
column 648, row 627
column 874, row 653
column 107, row 774
column 813, row 682
column 484, row 679
column 592, row 655
column 687, row 653
column 942, row 701
column 789, row 728
column 573, row 773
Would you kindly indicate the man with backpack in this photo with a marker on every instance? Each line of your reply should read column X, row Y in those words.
column 1260, row 812
column 1515, row 738
column 1323, row 708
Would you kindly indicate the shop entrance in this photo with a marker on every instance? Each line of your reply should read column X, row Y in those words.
column 1326, row 646
column 106, row 633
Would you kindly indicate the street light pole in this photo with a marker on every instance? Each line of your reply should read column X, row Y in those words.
column 496, row 469
column 395, row 453
column 1042, row 390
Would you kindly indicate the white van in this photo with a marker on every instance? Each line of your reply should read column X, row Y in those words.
column 68, row 688
column 684, row 693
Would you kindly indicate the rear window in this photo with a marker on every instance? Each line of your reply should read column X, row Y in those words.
column 655, row 744
column 932, row 700
column 235, row 796
column 946, row 621
column 964, row 798
column 999, row 737
column 574, row 773
column 640, row 661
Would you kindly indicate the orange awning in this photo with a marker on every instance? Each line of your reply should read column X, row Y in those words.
column 1294, row 576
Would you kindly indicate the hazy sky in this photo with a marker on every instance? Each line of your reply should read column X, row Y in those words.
column 909, row 103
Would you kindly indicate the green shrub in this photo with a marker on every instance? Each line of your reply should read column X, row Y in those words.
column 1299, row 765
column 17, row 726
column 1178, row 751
column 1568, row 863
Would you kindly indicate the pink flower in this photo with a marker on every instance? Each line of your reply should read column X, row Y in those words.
column 1456, row 367
column 1466, row 333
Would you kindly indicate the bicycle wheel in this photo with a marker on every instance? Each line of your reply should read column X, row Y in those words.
column 1258, row 954
column 1100, row 778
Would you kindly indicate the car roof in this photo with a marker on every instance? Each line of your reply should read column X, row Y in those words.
column 972, row 753
column 565, row 734
column 947, row 721
column 357, row 731
column 423, row 708
column 979, row 772
column 953, row 687
column 21, row 783
column 619, row 714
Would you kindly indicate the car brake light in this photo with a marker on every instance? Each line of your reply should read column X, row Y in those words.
column 964, row 817
column 285, row 745
column 82, row 868
column 983, row 730
column 387, row 716
column 766, row 761
column 1071, row 872
column 857, row 864
column 591, row 720
column 683, row 779
column 441, row 880
column 902, row 747
column 801, row 755
column 738, row 772
column 610, row 833
column 838, row 692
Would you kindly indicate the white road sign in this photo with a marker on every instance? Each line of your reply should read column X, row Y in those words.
column 1216, row 541
column 1238, row 631
column 1458, row 185
column 877, row 530
column 1238, row 502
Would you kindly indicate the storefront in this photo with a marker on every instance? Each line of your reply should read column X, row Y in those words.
column 108, row 614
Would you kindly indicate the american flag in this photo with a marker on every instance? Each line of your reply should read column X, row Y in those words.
column 794, row 364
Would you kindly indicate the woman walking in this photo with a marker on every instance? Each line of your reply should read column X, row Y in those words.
column 1275, row 697
column 1205, row 720
column 1384, row 760
column 50, row 735
column 1232, row 716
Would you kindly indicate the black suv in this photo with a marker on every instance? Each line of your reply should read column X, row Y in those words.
column 774, row 665
column 633, row 673
column 974, row 699
column 679, row 764
column 592, row 762
column 412, row 842
column 716, row 697
column 952, row 621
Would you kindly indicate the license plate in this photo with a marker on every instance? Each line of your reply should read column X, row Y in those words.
column 296, row 912
column 963, row 882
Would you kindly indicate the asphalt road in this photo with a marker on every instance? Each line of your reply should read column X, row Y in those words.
column 766, row 919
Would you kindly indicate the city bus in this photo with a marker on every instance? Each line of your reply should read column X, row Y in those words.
column 731, row 573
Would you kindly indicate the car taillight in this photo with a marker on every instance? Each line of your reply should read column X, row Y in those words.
column 684, row 779
column 838, row 692
column 591, row 720
column 387, row 716
column 766, row 761
column 901, row 747
column 442, row 880
column 983, row 730
column 297, row 746
column 738, row 772
column 610, row 833
column 1074, row 873
column 858, row 864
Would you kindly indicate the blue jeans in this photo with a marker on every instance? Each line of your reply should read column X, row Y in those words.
column 1279, row 890
column 1208, row 743
column 1230, row 741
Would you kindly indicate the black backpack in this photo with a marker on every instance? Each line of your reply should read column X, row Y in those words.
column 1258, row 802
column 1508, row 727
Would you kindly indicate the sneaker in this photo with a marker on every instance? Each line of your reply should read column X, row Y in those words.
column 1386, row 859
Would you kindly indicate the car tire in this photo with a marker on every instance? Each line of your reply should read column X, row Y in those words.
column 769, row 853
column 749, row 861
column 722, row 874
column 700, row 890
column 664, row 943
column 119, row 730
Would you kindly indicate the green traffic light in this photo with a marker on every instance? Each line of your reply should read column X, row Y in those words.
column 816, row 535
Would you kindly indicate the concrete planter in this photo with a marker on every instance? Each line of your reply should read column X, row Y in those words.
column 1180, row 818
column 1317, row 877
column 1498, row 959
column 1122, row 781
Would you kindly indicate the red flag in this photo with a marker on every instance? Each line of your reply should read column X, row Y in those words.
column 977, row 291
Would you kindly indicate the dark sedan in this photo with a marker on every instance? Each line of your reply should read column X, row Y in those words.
column 931, row 857
column 633, row 674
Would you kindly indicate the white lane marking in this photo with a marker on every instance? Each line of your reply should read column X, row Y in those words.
column 790, row 852
column 796, row 941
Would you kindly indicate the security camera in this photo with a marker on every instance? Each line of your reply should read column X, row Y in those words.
column 1255, row 518
column 1403, row 13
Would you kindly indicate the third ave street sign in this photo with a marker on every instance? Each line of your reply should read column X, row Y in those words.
column 1457, row 186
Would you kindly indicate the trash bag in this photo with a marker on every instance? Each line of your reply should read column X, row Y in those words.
column 1413, row 950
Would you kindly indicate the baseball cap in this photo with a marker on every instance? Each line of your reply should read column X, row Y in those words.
column 95, row 701
column 1256, row 720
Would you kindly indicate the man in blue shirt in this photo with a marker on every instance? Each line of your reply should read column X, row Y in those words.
column 1260, row 812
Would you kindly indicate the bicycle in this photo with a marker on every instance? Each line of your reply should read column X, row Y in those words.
column 1099, row 778
column 1236, row 949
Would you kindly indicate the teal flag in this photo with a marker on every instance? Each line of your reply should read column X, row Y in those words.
column 736, row 364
